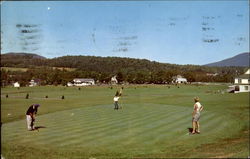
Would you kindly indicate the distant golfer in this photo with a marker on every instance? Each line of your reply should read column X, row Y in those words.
column 116, row 98
column 196, row 115
column 120, row 92
column 30, row 116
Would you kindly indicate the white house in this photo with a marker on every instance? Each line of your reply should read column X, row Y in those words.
column 179, row 79
column 83, row 81
column 34, row 82
column 248, row 72
column 16, row 84
column 113, row 80
column 70, row 84
column 212, row 74
column 242, row 82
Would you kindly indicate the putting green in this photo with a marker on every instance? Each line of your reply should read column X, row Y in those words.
column 132, row 131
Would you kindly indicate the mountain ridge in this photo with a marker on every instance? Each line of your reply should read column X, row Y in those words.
column 241, row 60
column 131, row 70
column 23, row 54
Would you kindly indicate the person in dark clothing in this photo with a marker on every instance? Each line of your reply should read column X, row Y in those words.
column 30, row 116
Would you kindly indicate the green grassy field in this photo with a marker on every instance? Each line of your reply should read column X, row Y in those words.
column 14, row 69
column 153, row 123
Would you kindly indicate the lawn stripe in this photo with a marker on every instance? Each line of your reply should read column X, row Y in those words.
column 162, row 127
column 104, row 128
column 107, row 131
column 53, row 116
column 95, row 126
column 136, row 125
column 158, row 130
column 94, row 114
column 215, row 125
column 173, row 128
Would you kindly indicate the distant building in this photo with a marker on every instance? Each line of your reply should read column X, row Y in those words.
column 242, row 82
column 114, row 80
column 82, row 82
column 179, row 79
column 70, row 84
column 248, row 72
column 212, row 74
column 16, row 84
column 34, row 82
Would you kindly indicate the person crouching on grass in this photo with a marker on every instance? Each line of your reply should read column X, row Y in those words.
column 196, row 115
column 116, row 98
column 30, row 116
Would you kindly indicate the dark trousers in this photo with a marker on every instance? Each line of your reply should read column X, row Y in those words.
column 116, row 105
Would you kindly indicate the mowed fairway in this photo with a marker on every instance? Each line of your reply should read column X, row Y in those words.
column 153, row 122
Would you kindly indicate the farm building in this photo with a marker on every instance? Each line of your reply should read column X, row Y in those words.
column 113, row 80
column 34, row 82
column 179, row 79
column 82, row 82
column 242, row 83
column 16, row 84
column 70, row 84
column 212, row 74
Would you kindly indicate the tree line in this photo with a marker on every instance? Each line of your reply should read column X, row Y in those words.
column 127, row 70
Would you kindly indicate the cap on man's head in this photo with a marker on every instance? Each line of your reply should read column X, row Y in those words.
column 196, row 99
column 36, row 105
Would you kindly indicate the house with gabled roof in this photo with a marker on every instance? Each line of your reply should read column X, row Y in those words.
column 179, row 79
column 34, row 82
column 16, row 84
column 114, row 80
column 83, row 81
column 242, row 82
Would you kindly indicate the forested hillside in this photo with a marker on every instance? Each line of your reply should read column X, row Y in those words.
column 23, row 60
column 128, row 70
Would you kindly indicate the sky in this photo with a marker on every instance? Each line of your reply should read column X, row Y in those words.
column 177, row 32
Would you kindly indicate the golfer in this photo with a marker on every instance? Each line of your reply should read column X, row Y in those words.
column 116, row 98
column 30, row 116
column 196, row 115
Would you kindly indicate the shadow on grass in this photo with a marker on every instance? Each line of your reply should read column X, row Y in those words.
column 39, row 127
column 190, row 130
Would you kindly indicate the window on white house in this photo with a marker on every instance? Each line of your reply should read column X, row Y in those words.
column 246, row 88
column 239, row 80
column 237, row 88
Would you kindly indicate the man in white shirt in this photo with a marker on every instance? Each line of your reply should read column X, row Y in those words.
column 116, row 98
